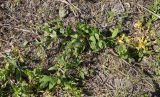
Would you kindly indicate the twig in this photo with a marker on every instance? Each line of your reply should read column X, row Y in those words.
column 23, row 30
column 4, row 24
column 71, row 5
column 3, row 40
column 113, row 53
column 122, row 5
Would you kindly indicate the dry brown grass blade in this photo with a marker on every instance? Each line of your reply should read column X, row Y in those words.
column 72, row 6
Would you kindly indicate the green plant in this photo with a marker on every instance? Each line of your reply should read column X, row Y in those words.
column 60, row 78
column 76, row 41
column 154, row 9
column 17, row 78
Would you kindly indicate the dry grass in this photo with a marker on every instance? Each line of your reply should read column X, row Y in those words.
column 112, row 76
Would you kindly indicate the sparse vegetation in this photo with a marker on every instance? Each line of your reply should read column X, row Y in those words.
column 64, row 60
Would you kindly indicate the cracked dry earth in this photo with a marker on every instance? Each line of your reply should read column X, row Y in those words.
column 112, row 76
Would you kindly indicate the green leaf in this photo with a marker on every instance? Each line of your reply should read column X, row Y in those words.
column 93, row 46
column 51, row 85
column 74, row 36
column 122, row 51
column 45, row 78
column 100, row 44
column 43, row 85
column 48, row 81
column 97, row 36
column 82, row 74
column 51, row 68
column 92, row 38
column 11, row 61
column 115, row 32
column 62, row 30
column 67, row 85
column 53, row 34
column 59, row 81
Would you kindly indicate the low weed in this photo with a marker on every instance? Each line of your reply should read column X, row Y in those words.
column 67, row 72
